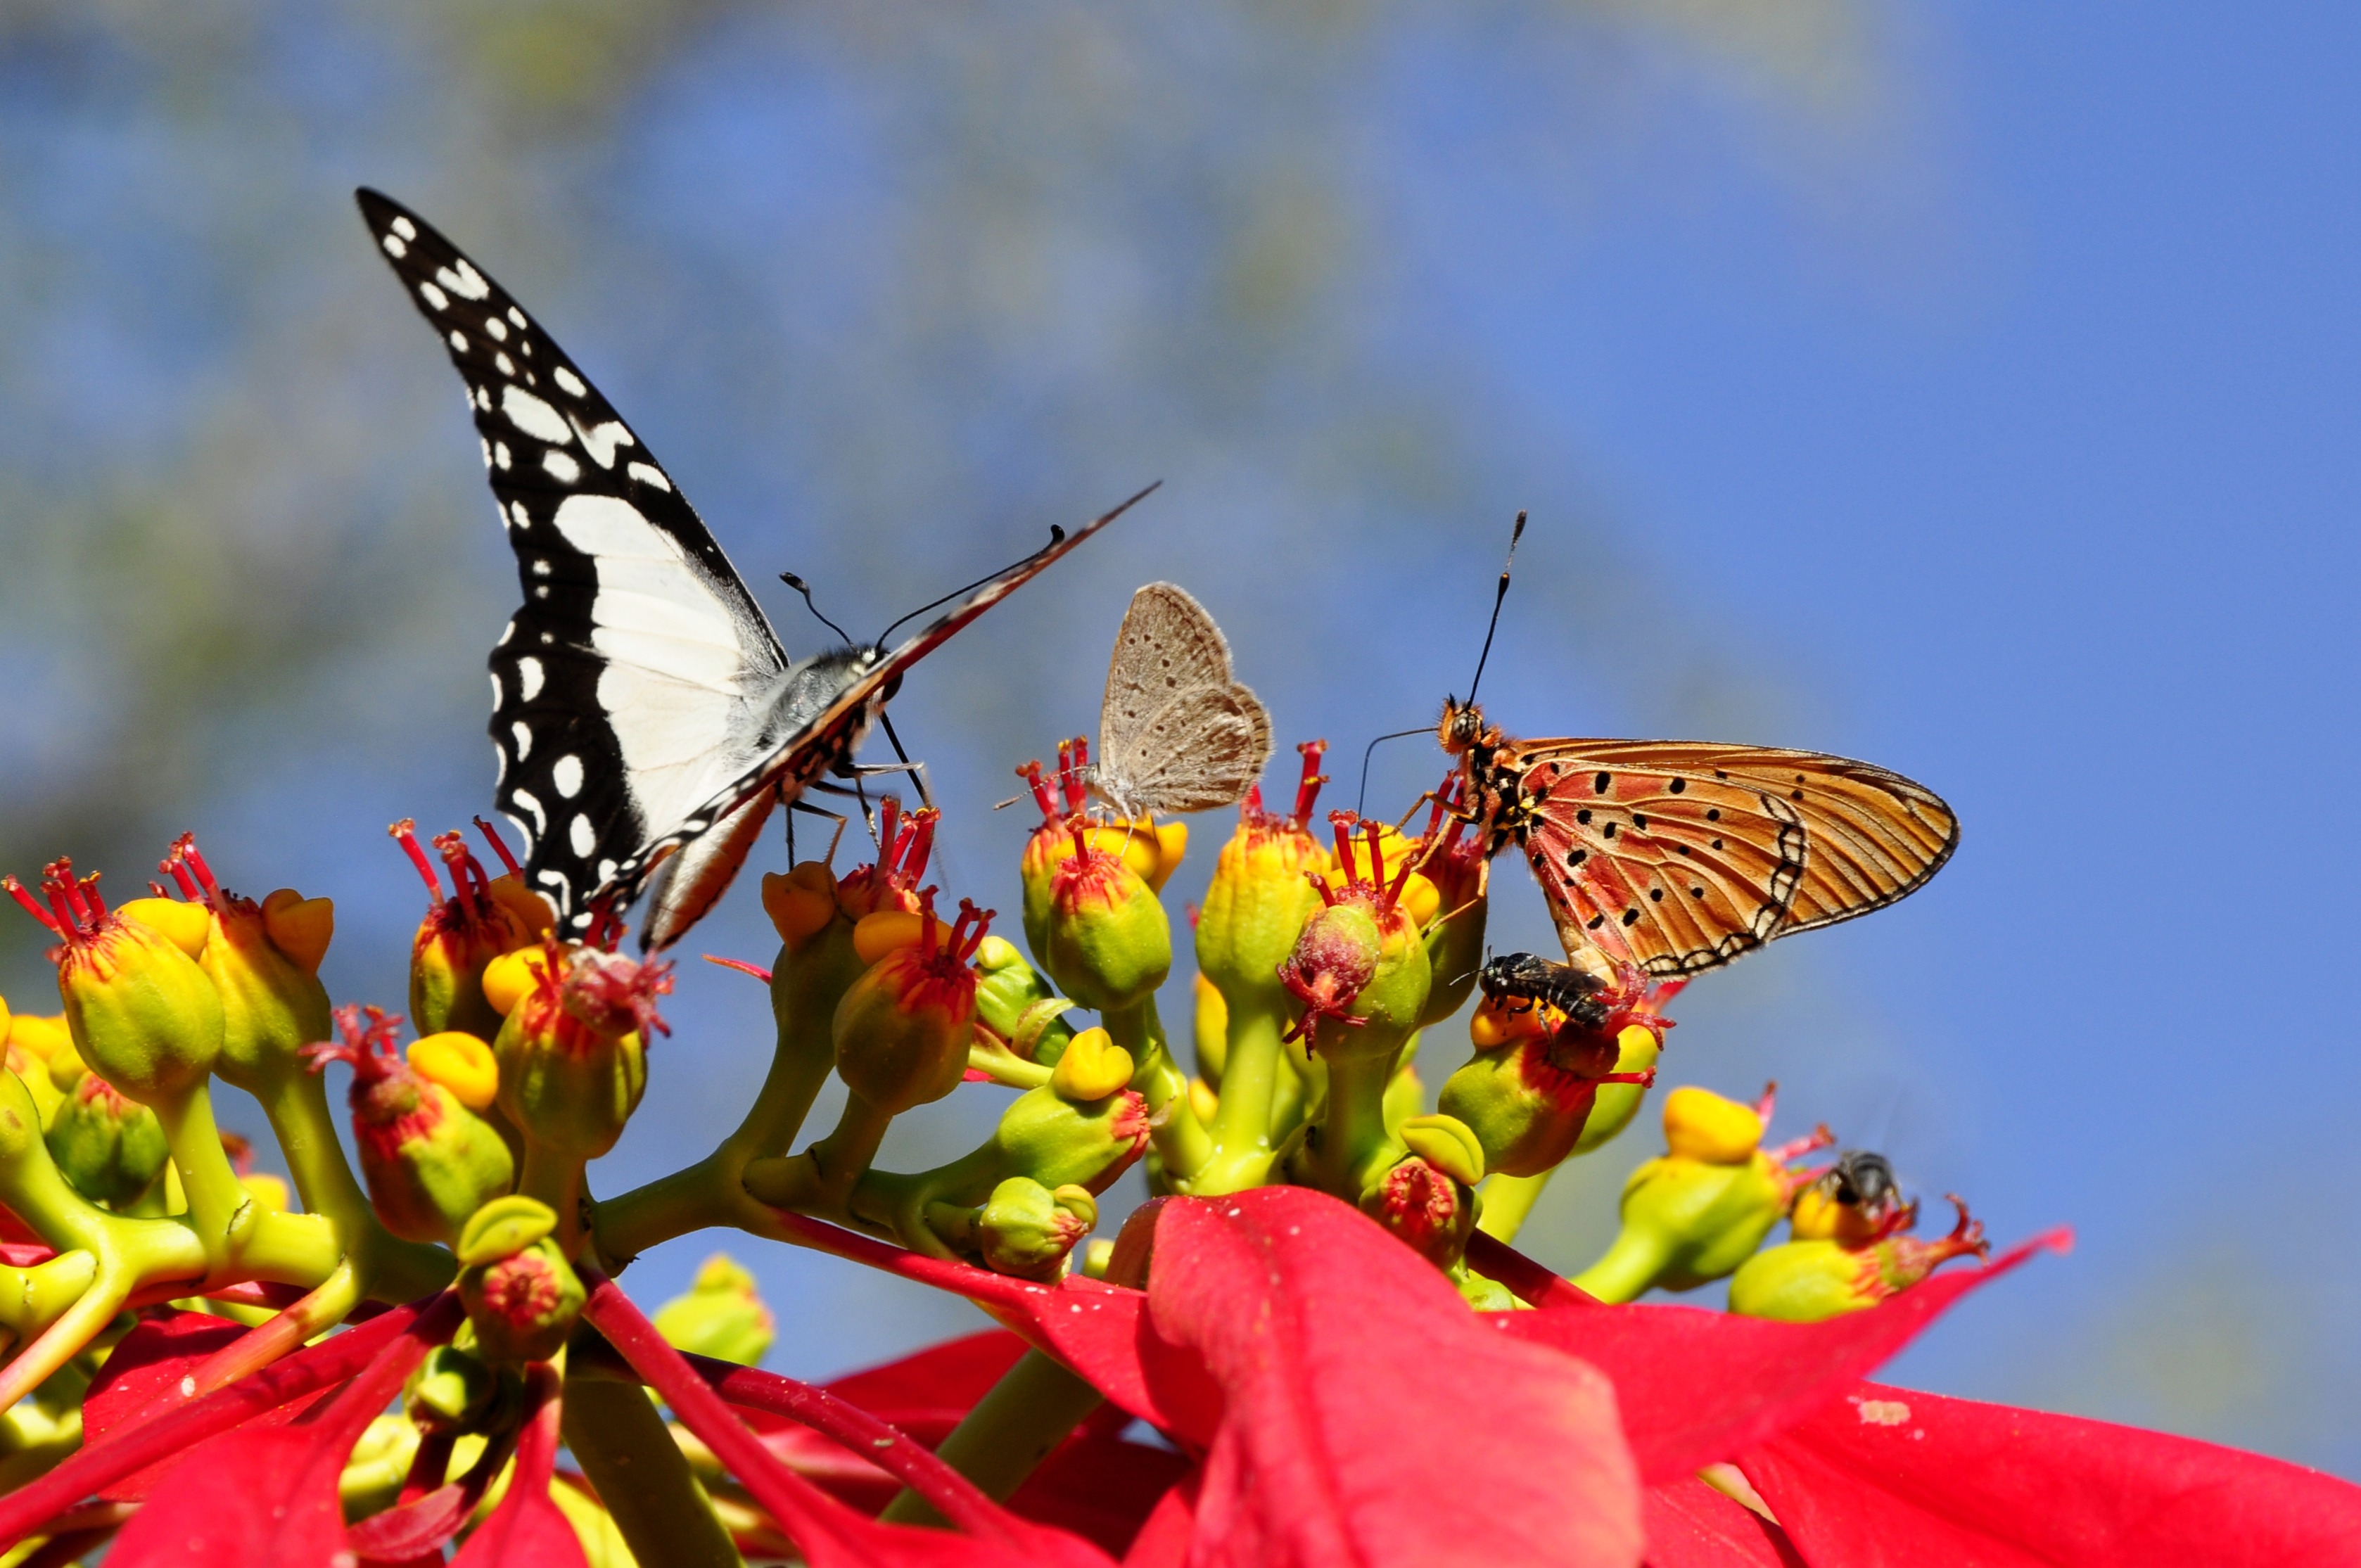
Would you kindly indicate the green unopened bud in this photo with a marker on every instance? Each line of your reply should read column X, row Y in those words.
column 1698, row 1212
column 1532, row 1102
column 264, row 960
column 722, row 1316
column 34, row 1074
column 111, row 1147
column 523, row 1306
column 1026, row 1230
column 1447, row 1144
column 1017, row 1004
column 572, row 1053
column 429, row 1162
column 1360, row 975
column 1806, row 1281
column 459, row 936
column 902, row 1029
column 1060, row 1142
column 141, row 1012
column 1429, row 1209
column 1261, row 896
column 452, row 1391
column 504, row 1227
column 378, row 1464
column 1106, row 940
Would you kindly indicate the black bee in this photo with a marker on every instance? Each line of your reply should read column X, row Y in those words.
column 1530, row 979
column 1861, row 1179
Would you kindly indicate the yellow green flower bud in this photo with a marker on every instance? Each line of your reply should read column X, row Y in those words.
column 140, row 1009
column 429, row 1162
column 1360, row 969
column 722, row 1316
column 1806, row 1281
column 1698, row 1212
column 572, row 1054
column 459, row 936
column 1532, row 1102
column 902, row 1030
column 1016, row 1007
column 523, row 1306
column 1061, row 1142
column 112, row 1148
column 801, row 902
column 452, row 1391
column 1261, row 895
column 1106, row 940
column 1027, row 1230
column 264, row 960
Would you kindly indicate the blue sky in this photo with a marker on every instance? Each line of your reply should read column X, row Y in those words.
column 1992, row 418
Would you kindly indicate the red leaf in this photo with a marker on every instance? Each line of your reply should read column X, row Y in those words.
column 1695, row 1387
column 1098, row 1487
column 1889, row 1476
column 102, row 1463
column 150, row 1361
column 528, row 1530
column 1163, row 1540
column 209, row 1508
column 1370, row 1418
column 829, row 1533
column 1690, row 1525
column 954, row 1375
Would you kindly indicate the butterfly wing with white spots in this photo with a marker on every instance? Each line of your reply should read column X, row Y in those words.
column 640, row 703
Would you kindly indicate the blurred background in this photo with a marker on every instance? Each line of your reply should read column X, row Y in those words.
column 1972, row 391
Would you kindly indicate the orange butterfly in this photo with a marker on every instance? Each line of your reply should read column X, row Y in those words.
column 1677, row 856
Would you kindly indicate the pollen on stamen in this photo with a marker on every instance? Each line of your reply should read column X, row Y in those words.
column 405, row 833
column 499, row 846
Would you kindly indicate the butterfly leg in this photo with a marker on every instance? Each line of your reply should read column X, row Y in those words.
column 917, row 770
column 810, row 811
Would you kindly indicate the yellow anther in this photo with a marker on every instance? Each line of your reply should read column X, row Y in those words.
column 1447, row 1144
column 508, row 977
column 39, row 1037
column 875, row 936
column 1092, row 1068
column 532, row 910
column 1701, row 1125
column 300, row 927
column 800, row 903
column 460, row 1063
column 184, row 924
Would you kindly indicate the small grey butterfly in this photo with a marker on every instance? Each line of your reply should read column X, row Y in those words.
column 1177, row 733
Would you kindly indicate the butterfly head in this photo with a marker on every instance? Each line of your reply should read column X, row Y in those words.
column 1462, row 729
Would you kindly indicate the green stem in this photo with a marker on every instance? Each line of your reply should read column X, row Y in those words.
column 554, row 1177
column 1626, row 1270
column 1033, row 1408
column 1352, row 1140
column 386, row 1268
column 641, row 1475
column 219, row 1206
column 1506, row 1200
column 1180, row 1139
column 1243, row 1135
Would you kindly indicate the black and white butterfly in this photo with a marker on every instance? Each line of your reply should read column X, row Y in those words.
column 642, row 708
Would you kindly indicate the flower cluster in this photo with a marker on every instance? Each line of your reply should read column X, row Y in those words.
column 1319, row 1312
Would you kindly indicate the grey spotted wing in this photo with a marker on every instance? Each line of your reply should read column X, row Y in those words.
column 1176, row 732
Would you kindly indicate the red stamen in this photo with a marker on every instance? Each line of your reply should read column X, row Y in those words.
column 25, row 900
column 757, row 970
column 172, row 867
column 89, row 890
column 405, row 833
column 1308, row 791
column 59, row 872
column 1796, row 1148
column 466, row 872
column 1076, row 776
column 1770, row 1098
column 889, row 839
column 186, row 850
column 492, row 836
column 1250, row 807
column 158, row 889
column 1319, row 885
column 1376, row 854
column 1082, row 843
column 1031, row 773
column 1340, row 823
column 922, row 842
column 927, row 920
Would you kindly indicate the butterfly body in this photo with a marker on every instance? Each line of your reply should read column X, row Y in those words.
column 643, row 710
column 1678, row 856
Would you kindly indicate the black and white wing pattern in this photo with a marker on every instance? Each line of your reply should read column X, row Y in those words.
column 626, row 692
column 641, row 705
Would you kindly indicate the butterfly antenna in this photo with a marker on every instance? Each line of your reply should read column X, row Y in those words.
column 805, row 588
column 1362, row 798
column 1057, row 537
column 1499, row 599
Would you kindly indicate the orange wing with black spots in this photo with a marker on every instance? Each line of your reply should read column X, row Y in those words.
column 1679, row 855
